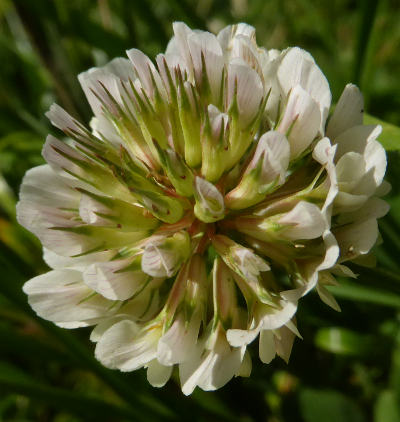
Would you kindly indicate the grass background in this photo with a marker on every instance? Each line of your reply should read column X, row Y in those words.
column 347, row 368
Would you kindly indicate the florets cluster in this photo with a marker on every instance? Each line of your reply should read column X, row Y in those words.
column 208, row 197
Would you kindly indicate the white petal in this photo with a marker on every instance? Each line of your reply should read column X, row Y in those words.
column 327, row 297
column 36, row 188
column 311, row 269
column 356, row 139
column 267, row 346
column 157, row 374
column 44, row 205
column 208, row 198
column 167, row 65
column 383, row 189
column 350, row 169
column 62, row 120
column 102, row 127
column 293, row 328
column 49, row 210
column 67, row 244
column 246, row 366
column 76, row 324
column 179, row 45
column 343, row 271
column 61, row 296
column 373, row 208
column 121, row 67
column 357, row 238
column 36, row 210
column 191, row 373
column 295, row 294
column 159, row 261
column 218, row 120
column 273, row 147
column 332, row 251
column 223, row 368
column 178, row 344
column 249, row 90
column 238, row 338
column 248, row 264
column 284, row 343
column 103, row 326
column 299, row 68
column 347, row 202
column 305, row 221
column 324, row 153
column 348, row 112
column 375, row 158
column 245, row 48
column 55, row 152
column 141, row 308
column 301, row 120
column 273, row 318
column 93, row 80
column 214, row 369
column 145, row 304
column 228, row 34
column 89, row 211
column 206, row 44
column 270, row 61
column 111, row 281
column 124, row 347
column 145, row 69
column 79, row 263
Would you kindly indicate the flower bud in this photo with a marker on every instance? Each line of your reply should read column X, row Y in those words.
column 210, row 205
column 245, row 263
column 224, row 293
column 304, row 221
column 111, row 212
column 165, row 208
column 213, row 142
column 189, row 113
column 265, row 173
column 177, row 171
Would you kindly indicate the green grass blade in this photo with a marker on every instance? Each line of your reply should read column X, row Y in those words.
column 356, row 291
column 92, row 408
column 368, row 14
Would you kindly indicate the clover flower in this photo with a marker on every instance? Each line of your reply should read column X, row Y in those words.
column 209, row 196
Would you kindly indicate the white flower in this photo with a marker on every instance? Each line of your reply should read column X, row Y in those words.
column 202, row 176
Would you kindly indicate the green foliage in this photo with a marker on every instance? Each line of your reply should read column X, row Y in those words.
column 328, row 406
column 386, row 407
column 343, row 342
column 390, row 137
column 346, row 369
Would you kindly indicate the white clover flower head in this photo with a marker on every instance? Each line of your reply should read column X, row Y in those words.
column 204, row 177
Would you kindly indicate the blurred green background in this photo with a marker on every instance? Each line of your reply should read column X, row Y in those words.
column 347, row 368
